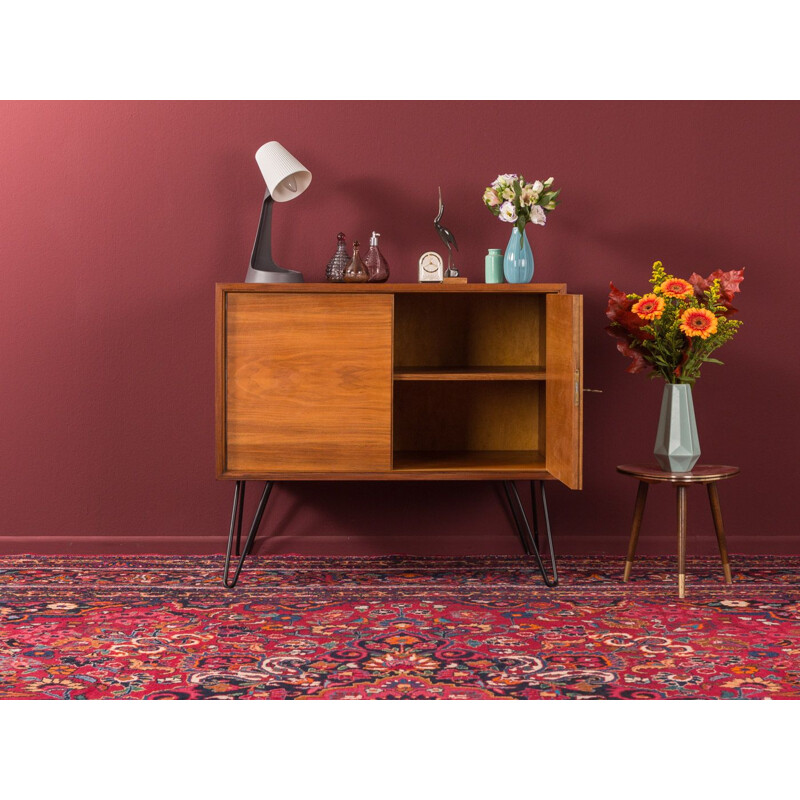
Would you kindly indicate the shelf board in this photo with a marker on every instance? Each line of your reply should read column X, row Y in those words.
column 502, row 461
column 470, row 374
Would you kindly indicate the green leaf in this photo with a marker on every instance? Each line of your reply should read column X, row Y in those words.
column 714, row 361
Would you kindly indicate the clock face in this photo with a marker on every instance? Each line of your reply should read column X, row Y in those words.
column 431, row 267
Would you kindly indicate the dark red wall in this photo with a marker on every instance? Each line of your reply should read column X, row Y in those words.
column 116, row 220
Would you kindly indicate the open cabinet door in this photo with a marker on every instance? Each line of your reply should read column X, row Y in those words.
column 564, row 391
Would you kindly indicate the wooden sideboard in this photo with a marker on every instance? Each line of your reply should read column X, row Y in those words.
column 397, row 382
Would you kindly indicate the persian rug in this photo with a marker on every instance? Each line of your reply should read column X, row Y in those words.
column 297, row 627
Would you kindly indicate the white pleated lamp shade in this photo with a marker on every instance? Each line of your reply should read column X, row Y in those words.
column 286, row 177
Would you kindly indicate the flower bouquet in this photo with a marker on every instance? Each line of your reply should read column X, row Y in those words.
column 513, row 200
column 673, row 329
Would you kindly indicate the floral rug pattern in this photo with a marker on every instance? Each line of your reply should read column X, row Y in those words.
column 399, row 627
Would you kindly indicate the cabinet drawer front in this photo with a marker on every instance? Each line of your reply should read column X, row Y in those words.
column 308, row 382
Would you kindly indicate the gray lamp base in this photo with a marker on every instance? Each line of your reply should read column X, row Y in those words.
column 278, row 275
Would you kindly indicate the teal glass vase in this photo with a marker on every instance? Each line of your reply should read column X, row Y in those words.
column 518, row 260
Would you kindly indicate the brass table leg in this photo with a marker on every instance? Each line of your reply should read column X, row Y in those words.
column 638, row 513
column 681, row 541
column 716, row 513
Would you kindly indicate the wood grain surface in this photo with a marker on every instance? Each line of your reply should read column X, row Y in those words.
column 470, row 461
column 399, row 382
column 564, row 393
column 701, row 473
column 308, row 382
column 394, row 288
column 469, row 330
column 470, row 374
column 467, row 416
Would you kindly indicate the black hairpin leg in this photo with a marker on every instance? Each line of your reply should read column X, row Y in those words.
column 236, row 530
column 535, row 513
column 530, row 539
column 522, row 537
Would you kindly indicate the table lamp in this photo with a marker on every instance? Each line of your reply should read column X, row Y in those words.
column 286, row 179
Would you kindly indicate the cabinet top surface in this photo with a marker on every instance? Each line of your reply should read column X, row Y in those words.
column 398, row 288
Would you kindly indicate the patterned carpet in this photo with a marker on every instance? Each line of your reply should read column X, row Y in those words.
column 400, row 627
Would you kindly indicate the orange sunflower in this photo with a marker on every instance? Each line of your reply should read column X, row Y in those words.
column 649, row 307
column 676, row 287
column 698, row 322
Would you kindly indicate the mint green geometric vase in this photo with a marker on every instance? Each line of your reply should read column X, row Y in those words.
column 677, row 446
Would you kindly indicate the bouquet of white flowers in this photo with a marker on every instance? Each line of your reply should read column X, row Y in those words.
column 515, row 201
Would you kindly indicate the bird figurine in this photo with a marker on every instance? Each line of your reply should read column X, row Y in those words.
column 448, row 239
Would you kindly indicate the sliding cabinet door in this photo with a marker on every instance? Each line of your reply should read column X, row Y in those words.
column 308, row 383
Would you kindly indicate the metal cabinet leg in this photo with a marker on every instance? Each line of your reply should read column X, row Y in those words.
column 535, row 511
column 520, row 531
column 530, row 538
column 236, row 529
column 238, row 502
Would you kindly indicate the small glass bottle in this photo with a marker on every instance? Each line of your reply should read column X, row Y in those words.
column 377, row 265
column 335, row 269
column 355, row 271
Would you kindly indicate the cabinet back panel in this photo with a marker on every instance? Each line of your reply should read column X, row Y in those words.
column 462, row 330
column 453, row 415
column 308, row 382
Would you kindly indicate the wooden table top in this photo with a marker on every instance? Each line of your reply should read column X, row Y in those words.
column 702, row 473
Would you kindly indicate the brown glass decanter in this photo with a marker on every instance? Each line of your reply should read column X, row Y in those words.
column 355, row 271
column 335, row 269
column 377, row 265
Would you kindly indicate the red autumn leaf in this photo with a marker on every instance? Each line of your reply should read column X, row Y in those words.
column 728, row 285
column 618, row 332
column 638, row 362
column 729, row 282
column 618, row 302
column 618, row 311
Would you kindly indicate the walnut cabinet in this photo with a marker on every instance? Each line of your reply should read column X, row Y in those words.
column 399, row 382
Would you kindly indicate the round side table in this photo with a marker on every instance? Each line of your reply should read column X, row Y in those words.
column 702, row 473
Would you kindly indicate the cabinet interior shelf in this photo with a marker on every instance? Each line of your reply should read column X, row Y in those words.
column 470, row 374
column 469, row 460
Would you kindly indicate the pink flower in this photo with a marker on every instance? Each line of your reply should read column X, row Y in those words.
column 528, row 195
column 538, row 217
column 490, row 197
column 504, row 180
column 507, row 212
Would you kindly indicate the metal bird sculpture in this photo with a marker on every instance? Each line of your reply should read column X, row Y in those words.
column 448, row 239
